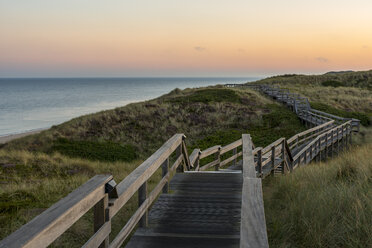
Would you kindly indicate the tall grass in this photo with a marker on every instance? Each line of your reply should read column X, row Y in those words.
column 327, row 204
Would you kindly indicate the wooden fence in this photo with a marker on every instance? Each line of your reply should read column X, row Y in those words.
column 327, row 136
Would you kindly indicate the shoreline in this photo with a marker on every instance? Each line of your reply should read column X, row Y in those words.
column 6, row 138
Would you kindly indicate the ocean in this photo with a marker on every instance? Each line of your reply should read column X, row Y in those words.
column 31, row 104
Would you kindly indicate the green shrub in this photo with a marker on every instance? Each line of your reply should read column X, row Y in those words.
column 333, row 83
column 364, row 119
column 280, row 122
column 208, row 95
column 92, row 150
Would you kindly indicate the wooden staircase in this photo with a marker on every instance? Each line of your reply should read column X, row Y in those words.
column 201, row 210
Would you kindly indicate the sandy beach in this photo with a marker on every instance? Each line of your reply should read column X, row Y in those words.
column 7, row 138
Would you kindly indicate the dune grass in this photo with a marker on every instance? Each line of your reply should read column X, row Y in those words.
column 327, row 204
column 349, row 92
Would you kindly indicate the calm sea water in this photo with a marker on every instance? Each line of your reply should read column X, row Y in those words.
column 29, row 104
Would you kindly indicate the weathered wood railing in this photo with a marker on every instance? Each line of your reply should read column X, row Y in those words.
column 253, row 225
column 107, row 198
column 217, row 151
column 53, row 222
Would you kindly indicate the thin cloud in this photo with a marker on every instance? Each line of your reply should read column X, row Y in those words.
column 240, row 50
column 365, row 47
column 322, row 59
column 200, row 49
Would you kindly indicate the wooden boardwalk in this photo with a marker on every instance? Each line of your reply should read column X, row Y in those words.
column 202, row 210
column 192, row 206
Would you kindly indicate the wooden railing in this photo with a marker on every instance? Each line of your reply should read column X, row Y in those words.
column 102, row 194
column 217, row 151
column 107, row 198
column 252, row 225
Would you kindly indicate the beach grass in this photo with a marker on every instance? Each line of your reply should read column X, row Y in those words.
column 326, row 204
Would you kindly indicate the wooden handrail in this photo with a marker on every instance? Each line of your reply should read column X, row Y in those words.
column 48, row 226
column 253, row 225
column 142, row 173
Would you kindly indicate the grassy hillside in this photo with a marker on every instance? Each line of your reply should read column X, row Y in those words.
column 207, row 116
column 327, row 204
column 38, row 170
column 347, row 94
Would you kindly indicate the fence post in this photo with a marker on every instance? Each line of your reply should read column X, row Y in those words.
column 178, row 153
column 218, row 157
column 319, row 149
column 235, row 151
column 164, row 171
column 259, row 162
column 283, row 157
column 142, row 195
column 272, row 172
column 100, row 217
column 337, row 140
column 332, row 147
column 351, row 135
column 326, row 146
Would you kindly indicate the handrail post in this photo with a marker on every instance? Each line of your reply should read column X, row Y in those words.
column 283, row 157
column 337, row 140
column 178, row 153
column 164, row 171
column 331, row 146
column 235, row 151
column 259, row 162
column 272, row 161
column 100, row 218
column 319, row 149
column 142, row 195
column 218, row 157
column 326, row 146
column 351, row 134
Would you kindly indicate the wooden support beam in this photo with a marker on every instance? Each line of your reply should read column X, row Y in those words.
column 142, row 195
column 272, row 161
column 101, row 215
column 164, row 172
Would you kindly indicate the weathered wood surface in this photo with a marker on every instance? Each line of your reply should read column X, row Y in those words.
column 209, row 151
column 203, row 211
column 248, row 159
column 48, row 226
column 253, row 226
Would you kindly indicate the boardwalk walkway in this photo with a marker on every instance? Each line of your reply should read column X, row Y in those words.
column 203, row 210
column 192, row 206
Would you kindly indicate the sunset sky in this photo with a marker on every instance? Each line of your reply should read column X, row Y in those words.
column 76, row 38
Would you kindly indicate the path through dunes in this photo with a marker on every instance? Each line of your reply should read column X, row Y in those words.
column 192, row 206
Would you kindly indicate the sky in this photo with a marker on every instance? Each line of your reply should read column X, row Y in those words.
column 124, row 38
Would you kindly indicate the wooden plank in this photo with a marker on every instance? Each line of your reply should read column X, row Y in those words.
column 194, row 155
column 248, row 160
column 186, row 155
column 134, row 180
column 48, row 226
column 290, row 140
column 275, row 143
column 232, row 158
column 100, row 219
column 164, row 171
column 253, row 225
column 99, row 236
column 142, row 195
column 231, row 146
column 209, row 151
